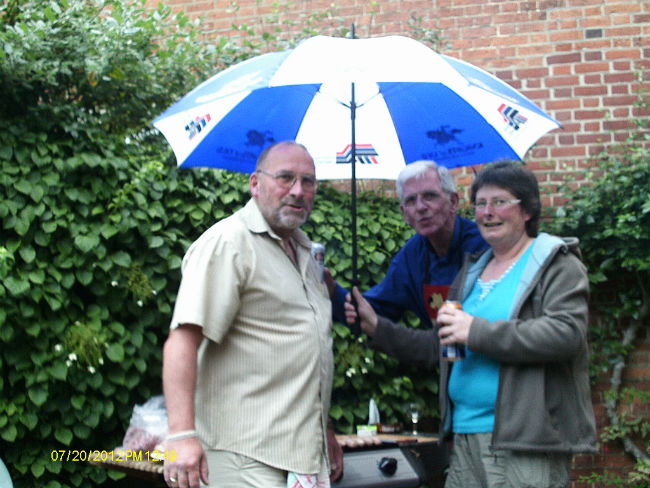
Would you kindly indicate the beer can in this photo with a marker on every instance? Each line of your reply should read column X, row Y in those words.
column 453, row 352
column 318, row 252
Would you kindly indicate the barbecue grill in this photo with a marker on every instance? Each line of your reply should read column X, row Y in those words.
column 381, row 461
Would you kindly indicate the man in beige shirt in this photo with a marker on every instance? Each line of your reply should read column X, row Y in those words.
column 247, row 368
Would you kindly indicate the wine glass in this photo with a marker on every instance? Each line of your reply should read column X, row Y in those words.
column 414, row 412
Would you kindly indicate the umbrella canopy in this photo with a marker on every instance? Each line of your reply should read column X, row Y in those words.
column 407, row 102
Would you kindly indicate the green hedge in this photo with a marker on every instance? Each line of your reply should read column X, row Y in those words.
column 95, row 220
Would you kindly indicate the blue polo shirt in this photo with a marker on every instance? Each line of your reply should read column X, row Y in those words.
column 413, row 266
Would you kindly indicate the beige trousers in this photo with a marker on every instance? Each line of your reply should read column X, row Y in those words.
column 231, row 470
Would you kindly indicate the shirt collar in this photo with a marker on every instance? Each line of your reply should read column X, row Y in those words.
column 257, row 224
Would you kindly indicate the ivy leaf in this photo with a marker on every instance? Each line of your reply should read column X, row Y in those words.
column 29, row 420
column 9, row 433
column 63, row 435
column 115, row 353
column 37, row 468
column 38, row 395
column 86, row 243
column 59, row 371
column 27, row 253
column 122, row 259
column 16, row 286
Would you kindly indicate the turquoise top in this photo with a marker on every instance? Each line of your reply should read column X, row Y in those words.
column 474, row 381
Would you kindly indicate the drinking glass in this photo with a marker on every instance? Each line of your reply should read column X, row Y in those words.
column 414, row 412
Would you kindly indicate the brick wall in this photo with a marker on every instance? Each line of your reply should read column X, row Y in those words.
column 580, row 60
column 577, row 59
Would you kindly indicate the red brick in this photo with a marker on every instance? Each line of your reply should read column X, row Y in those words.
column 565, row 58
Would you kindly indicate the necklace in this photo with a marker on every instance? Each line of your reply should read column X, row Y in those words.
column 488, row 286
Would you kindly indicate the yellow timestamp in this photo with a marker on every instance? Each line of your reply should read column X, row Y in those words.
column 118, row 456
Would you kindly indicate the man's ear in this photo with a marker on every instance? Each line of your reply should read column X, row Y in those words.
column 405, row 215
column 454, row 198
column 254, row 184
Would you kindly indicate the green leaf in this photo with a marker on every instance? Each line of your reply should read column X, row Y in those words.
column 86, row 243
column 77, row 401
column 38, row 395
column 63, row 435
column 122, row 259
column 33, row 328
column 9, row 433
column 23, row 186
column 59, row 371
column 82, row 431
column 37, row 276
column 27, row 253
column 29, row 420
column 16, row 286
column 84, row 276
column 92, row 419
column 6, row 152
column 156, row 241
column 115, row 353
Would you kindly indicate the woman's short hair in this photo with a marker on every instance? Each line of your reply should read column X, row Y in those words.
column 418, row 169
column 518, row 180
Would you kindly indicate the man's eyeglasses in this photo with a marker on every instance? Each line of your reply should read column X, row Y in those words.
column 427, row 197
column 286, row 180
column 495, row 204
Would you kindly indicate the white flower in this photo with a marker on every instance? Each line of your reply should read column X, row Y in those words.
column 364, row 371
column 139, row 303
column 72, row 357
column 58, row 348
column 101, row 361
column 68, row 363
column 367, row 360
column 113, row 283
column 350, row 372
column 154, row 292
column 91, row 370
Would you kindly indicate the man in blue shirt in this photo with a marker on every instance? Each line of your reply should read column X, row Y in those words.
column 420, row 273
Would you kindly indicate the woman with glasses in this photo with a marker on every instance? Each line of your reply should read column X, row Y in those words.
column 519, row 404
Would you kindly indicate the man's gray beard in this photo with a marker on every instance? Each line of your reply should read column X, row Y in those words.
column 289, row 221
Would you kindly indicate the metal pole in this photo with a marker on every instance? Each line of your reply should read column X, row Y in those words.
column 356, row 327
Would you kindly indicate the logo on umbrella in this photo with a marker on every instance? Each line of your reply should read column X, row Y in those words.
column 257, row 138
column 512, row 116
column 444, row 135
column 197, row 125
column 365, row 153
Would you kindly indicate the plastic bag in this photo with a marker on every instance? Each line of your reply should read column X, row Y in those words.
column 147, row 427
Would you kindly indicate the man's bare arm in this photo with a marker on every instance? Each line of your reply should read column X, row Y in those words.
column 179, row 384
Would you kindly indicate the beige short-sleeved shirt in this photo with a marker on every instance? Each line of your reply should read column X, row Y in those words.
column 265, row 365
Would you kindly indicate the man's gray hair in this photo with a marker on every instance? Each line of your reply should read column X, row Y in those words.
column 261, row 159
column 419, row 169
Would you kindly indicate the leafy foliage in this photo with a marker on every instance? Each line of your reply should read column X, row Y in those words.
column 95, row 219
column 611, row 216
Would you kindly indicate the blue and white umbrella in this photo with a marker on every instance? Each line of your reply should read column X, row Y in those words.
column 379, row 103
column 408, row 103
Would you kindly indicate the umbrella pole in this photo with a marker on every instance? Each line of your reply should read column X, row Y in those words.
column 356, row 327
column 353, row 190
